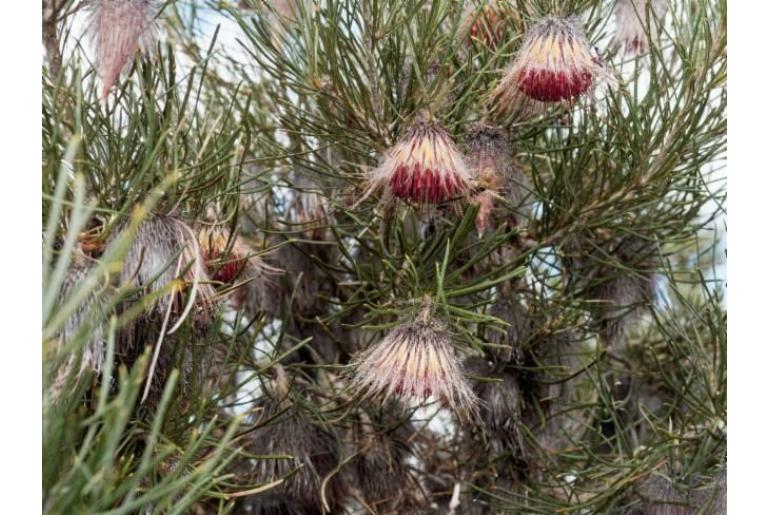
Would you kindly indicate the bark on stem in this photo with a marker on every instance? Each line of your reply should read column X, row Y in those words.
column 51, row 38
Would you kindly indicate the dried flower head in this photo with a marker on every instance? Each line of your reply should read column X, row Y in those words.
column 379, row 469
column 510, row 343
column 291, row 447
column 165, row 251
column 414, row 361
column 616, row 278
column 501, row 409
column 505, row 193
column 555, row 63
column 557, row 359
column 309, row 210
column 165, row 259
column 631, row 32
column 486, row 23
column 304, row 281
column 92, row 353
column 119, row 28
column 425, row 166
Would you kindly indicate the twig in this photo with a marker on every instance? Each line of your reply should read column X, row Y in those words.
column 51, row 38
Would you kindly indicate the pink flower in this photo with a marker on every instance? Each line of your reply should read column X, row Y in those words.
column 631, row 27
column 487, row 22
column 118, row 29
column 414, row 361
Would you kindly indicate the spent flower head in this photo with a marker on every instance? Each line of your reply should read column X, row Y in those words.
column 166, row 253
column 504, row 192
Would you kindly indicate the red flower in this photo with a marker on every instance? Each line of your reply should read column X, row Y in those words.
column 425, row 166
column 554, row 64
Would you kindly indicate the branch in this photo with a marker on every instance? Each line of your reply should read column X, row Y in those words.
column 51, row 37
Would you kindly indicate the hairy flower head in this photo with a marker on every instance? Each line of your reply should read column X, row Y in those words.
column 631, row 29
column 92, row 353
column 165, row 254
column 293, row 448
column 230, row 261
column 487, row 22
column 504, row 192
column 118, row 29
column 554, row 64
column 425, row 166
column 414, row 361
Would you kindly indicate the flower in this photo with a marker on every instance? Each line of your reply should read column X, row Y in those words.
column 486, row 23
column 90, row 309
column 165, row 251
column 309, row 210
column 554, row 64
column 631, row 28
column 425, row 166
column 165, row 259
column 225, row 257
column 231, row 261
column 414, row 361
column 292, row 449
column 490, row 159
column 118, row 29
